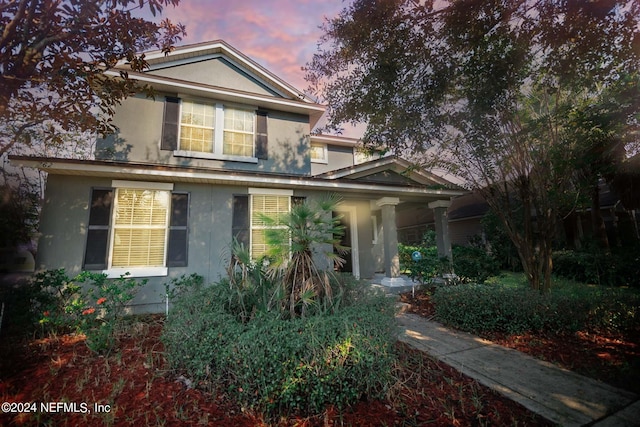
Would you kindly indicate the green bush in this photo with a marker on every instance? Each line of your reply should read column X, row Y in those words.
column 594, row 266
column 88, row 303
column 423, row 270
column 278, row 366
column 473, row 264
column 485, row 308
column 502, row 248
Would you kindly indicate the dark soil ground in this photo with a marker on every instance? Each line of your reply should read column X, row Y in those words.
column 133, row 387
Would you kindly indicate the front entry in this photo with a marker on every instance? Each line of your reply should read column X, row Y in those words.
column 350, row 240
column 345, row 240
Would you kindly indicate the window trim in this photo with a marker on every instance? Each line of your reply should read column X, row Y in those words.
column 218, row 133
column 325, row 153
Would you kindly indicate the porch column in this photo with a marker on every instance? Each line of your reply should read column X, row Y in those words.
column 390, row 241
column 443, row 241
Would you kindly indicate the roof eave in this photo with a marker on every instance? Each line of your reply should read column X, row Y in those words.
column 108, row 169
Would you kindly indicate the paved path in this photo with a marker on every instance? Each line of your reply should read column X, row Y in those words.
column 561, row 396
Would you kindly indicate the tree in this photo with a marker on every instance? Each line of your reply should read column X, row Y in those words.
column 606, row 124
column 303, row 246
column 482, row 88
column 53, row 55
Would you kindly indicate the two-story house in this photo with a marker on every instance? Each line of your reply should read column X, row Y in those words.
column 191, row 168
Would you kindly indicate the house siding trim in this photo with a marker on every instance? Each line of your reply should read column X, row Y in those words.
column 176, row 174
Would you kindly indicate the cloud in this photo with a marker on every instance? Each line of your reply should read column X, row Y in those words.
column 280, row 35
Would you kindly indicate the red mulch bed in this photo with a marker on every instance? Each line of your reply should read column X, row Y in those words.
column 139, row 390
column 609, row 358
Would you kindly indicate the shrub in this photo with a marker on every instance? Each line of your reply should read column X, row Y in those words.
column 501, row 246
column 484, row 308
column 96, row 309
column 106, row 301
column 594, row 266
column 56, row 301
column 182, row 284
column 279, row 366
column 471, row 264
column 424, row 269
column 308, row 232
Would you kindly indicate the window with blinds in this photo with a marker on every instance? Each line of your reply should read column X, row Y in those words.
column 273, row 206
column 140, row 227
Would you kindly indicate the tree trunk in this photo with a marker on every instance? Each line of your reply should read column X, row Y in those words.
column 599, row 229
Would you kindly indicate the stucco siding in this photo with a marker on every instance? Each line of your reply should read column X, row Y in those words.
column 338, row 158
column 215, row 72
column 63, row 223
column 138, row 135
column 139, row 120
column 66, row 215
column 461, row 231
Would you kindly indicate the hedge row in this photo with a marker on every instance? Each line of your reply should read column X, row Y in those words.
column 487, row 308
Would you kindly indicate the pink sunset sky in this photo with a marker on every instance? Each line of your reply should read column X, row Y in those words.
column 281, row 35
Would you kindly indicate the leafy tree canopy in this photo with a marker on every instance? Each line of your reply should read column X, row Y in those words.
column 53, row 55
column 493, row 90
column 408, row 68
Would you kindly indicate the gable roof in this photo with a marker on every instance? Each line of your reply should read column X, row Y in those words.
column 390, row 169
column 285, row 97
column 198, row 52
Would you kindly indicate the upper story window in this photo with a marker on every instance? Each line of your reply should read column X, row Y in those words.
column 197, row 128
column 212, row 130
column 318, row 153
column 238, row 132
column 216, row 129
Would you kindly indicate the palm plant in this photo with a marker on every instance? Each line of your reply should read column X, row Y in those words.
column 304, row 246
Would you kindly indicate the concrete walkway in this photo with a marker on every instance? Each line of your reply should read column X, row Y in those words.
column 561, row 396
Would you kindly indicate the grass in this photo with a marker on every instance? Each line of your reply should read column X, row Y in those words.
column 559, row 285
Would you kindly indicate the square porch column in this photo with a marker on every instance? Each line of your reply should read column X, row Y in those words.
column 390, row 240
column 443, row 241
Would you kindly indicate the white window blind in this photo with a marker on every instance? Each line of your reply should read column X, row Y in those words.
column 318, row 153
column 273, row 206
column 140, row 227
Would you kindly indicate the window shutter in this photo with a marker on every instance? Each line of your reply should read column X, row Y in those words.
column 261, row 135
column 297, row 201
column 240, row 223
column 171, row 123
column 95, row 255
column 177, row 251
